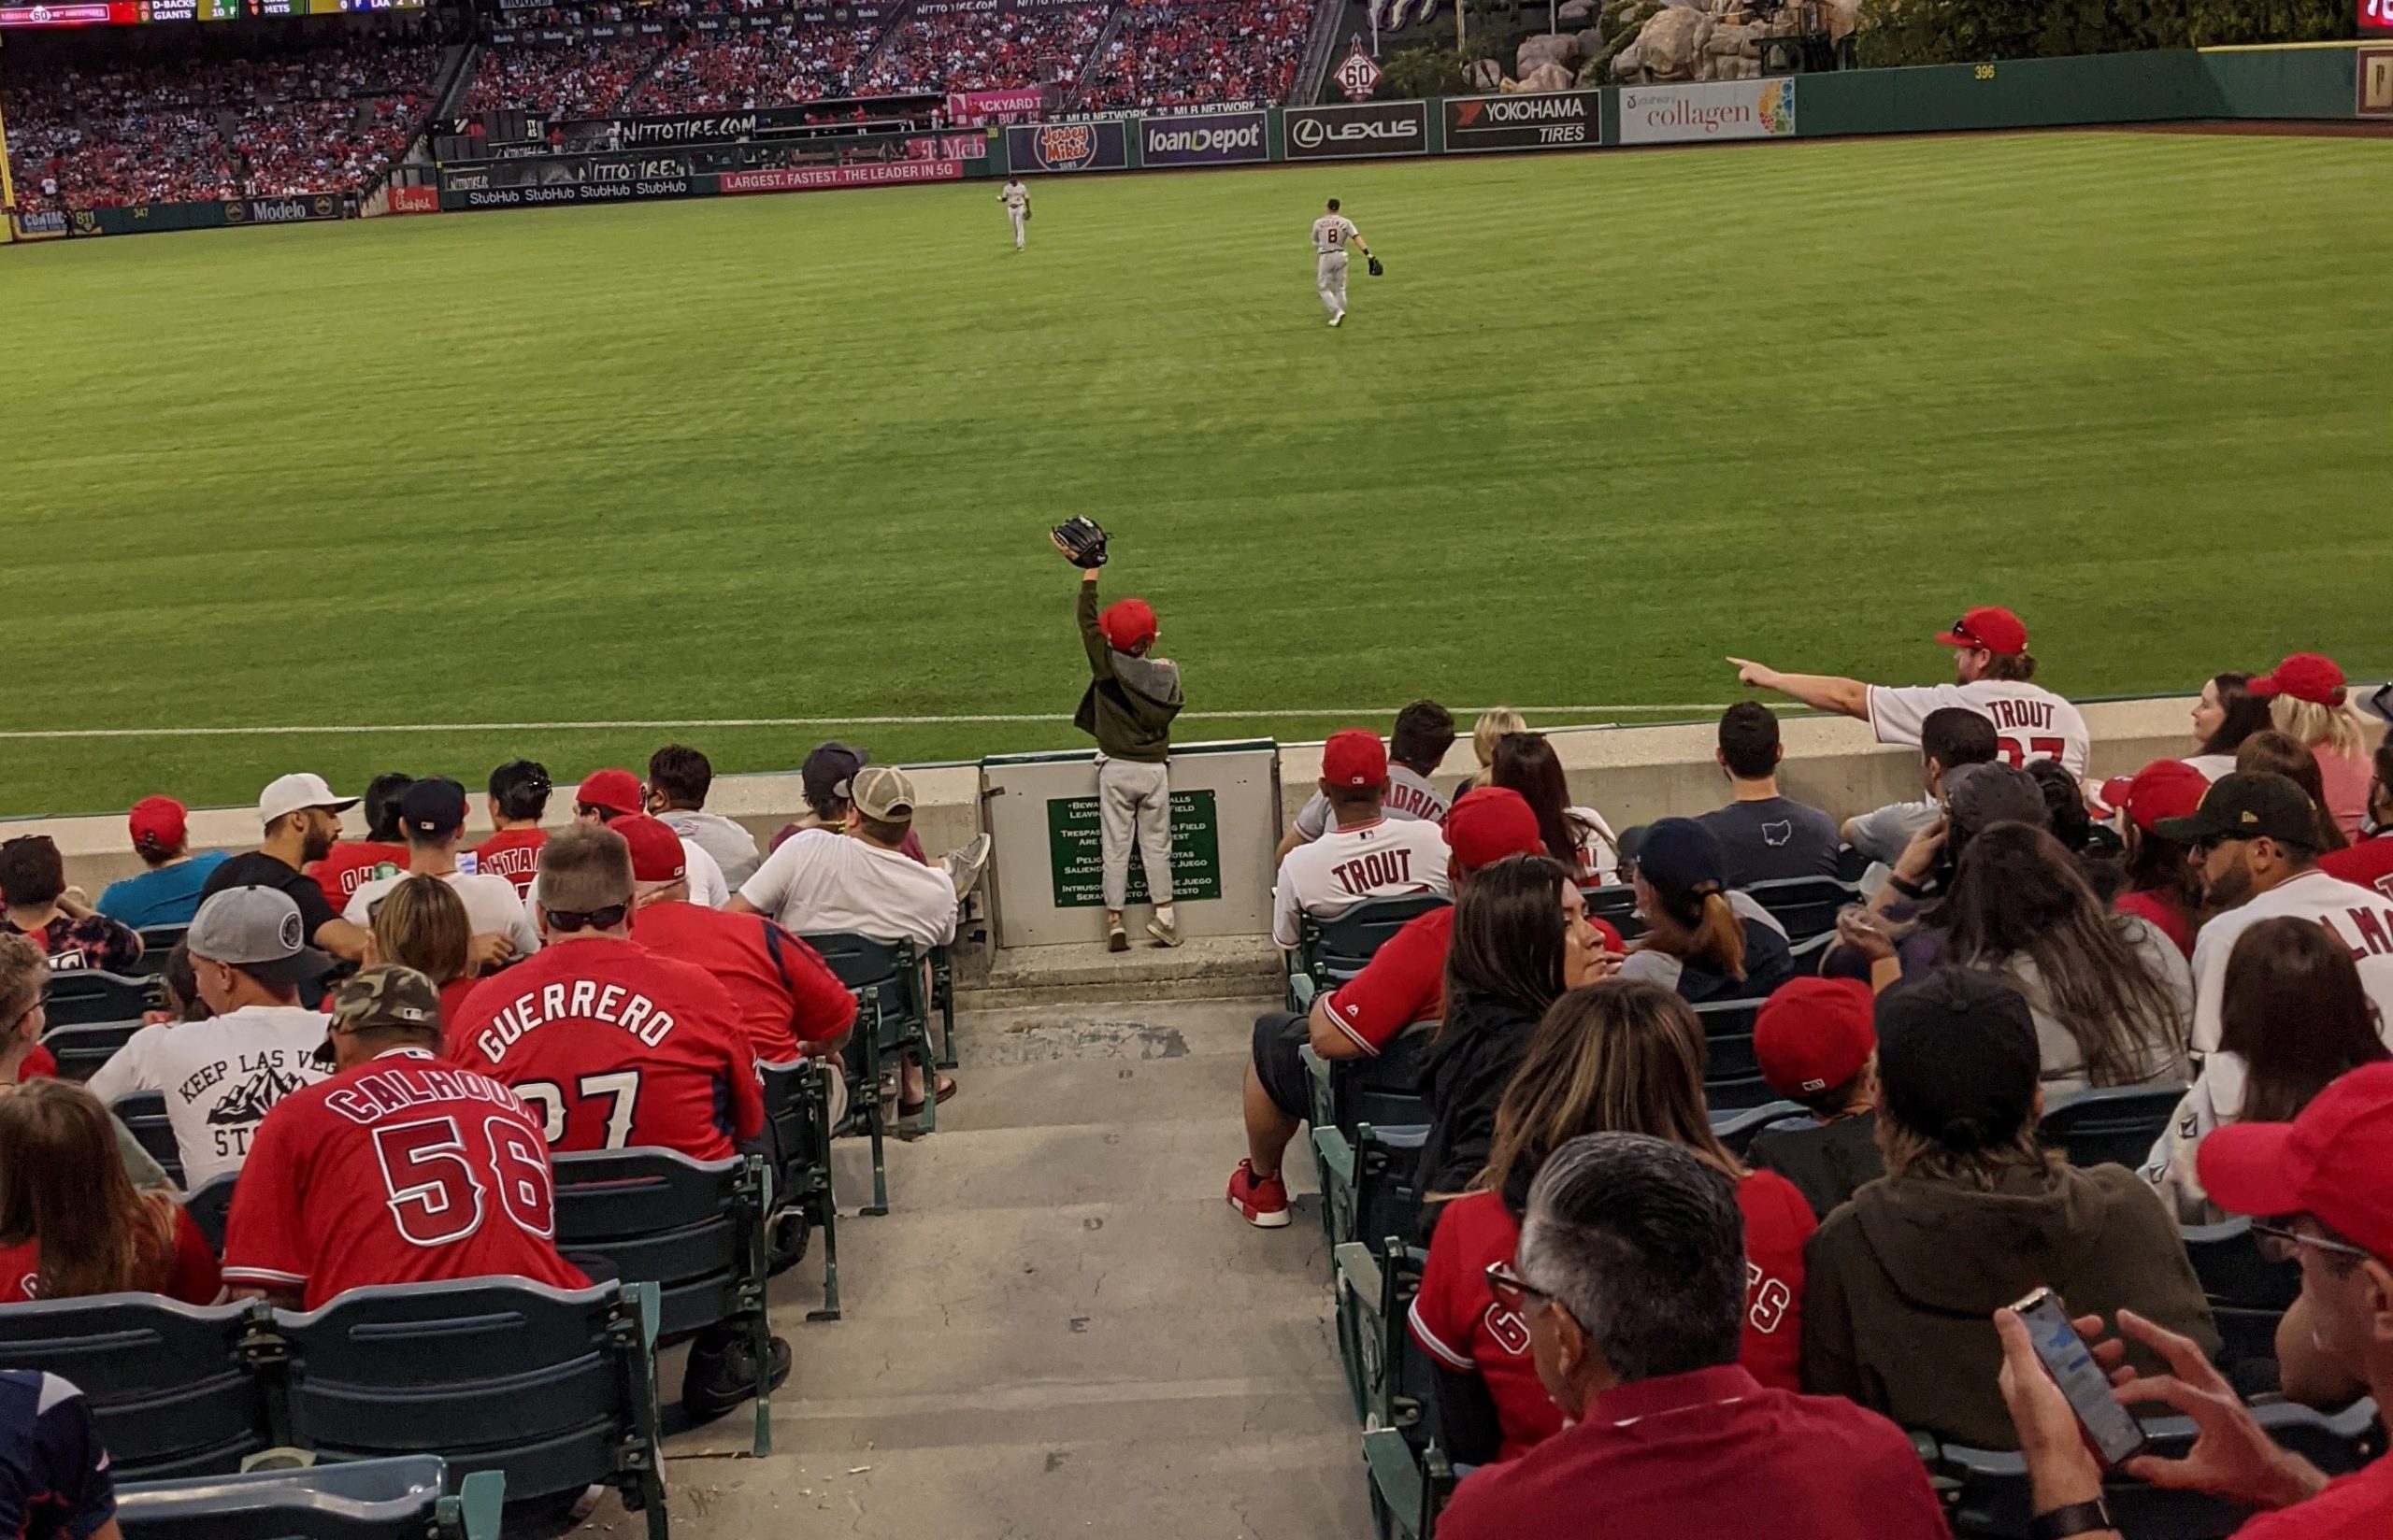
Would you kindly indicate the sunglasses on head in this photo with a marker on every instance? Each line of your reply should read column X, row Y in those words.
column 593, row 920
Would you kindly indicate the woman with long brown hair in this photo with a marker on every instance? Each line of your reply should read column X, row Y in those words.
column 1614, row 1057
column 2274, row 753
column 2292, row 1018
column 1702, row 939
column 71, row 1222
column 422, row 924
column 2226, row 715
column 1576, row 836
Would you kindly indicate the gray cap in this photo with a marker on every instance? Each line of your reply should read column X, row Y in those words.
column 258, row 931
column 1976, row 795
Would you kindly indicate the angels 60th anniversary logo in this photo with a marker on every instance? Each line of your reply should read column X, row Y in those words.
column 1068, row 147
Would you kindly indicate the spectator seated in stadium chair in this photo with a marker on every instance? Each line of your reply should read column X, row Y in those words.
column 517, row 797
column 2158, row 880
column 74, row 1223
column 648, row 1052
column 403, row 1498
column 346, row 863
column 222, row 1076
column 2321, row 1179
column 1668, row 1434
column 431, row 816
column 605, row 796
column 858, row 881
column 1949, row 738
column 33, row 883
column 1765, row 836
column 1701, row 939
column 1816, row 1041
column 828, row 781
column 54, row 1477
column 167, row 894
column 301, row 818
column 1576, row 836
column 678, row 779
column 1364, row 855
column 2293, row 1017
column 1423, row 732
column 2368, row 860
column 1403, row 983
column 170, row 1385
column 1972, row 1215
column 1619, row 1058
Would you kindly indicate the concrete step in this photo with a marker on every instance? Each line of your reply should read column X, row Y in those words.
column 1202, row 968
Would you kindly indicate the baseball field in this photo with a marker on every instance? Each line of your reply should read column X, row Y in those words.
column 532, row 482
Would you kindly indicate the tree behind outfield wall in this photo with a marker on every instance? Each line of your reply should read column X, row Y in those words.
column 1946, row 31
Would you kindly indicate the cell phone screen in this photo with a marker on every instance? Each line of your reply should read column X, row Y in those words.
column 2114, row 1431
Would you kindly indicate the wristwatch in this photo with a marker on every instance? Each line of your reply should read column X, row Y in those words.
column 1907, row 887
column 2076, row 1518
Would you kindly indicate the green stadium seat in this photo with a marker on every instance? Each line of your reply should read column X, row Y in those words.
column 1731, row 1078
column 1617, row 905
column 1736, row 1127
column 402, row 1499
column 1330, row 951
column 80, row 997
column 157, row 941
column 171, row 1386
column 82, row 1048
column 2116, row 1126
column 893, row 1025
column 208, row 1206
column 797, row 1119
column 1807, row 907
column 144, row 1116
column 2249, row 1293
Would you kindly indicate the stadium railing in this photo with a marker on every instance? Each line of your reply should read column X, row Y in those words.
column 797, row 1119
column 2116, row 1125
column 694, row 1229
column 400, row 1499
column 892, row 1024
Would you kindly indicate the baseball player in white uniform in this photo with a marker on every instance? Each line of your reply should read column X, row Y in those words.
column 1016, row 198
column 1364, row 854
column 1332, row 234
column 1992, row 669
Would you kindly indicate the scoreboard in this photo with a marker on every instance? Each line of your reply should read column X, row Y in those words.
column 118, row 13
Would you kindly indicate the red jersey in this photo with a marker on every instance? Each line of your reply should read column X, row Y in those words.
column 350, row 865
column 1405, row 980
column 185, row 1271
column 2368, row 864
column 784, row 991
column 513, row 854
column 616, row 1046
column 452, row 999
column 1458, row 1320
column 404, row 1169
column 40, row 1063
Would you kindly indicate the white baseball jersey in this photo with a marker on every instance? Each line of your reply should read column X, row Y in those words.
column 2030, row 722
column 1387, row 858
column 492, row 907
column 1332, row 232
column 1017, row 197
column 2359, row 918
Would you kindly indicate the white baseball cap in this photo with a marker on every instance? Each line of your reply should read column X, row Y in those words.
column 290, row 793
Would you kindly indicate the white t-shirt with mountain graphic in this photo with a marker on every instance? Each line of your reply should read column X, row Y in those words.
column 220, row 1076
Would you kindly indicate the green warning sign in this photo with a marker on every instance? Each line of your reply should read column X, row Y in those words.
column 1076, row 850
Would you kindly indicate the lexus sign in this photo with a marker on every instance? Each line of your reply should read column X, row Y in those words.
column 1358, row 132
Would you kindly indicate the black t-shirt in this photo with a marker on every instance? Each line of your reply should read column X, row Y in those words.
column 1773, row 840
column 1825, row 1162
column 256, row 869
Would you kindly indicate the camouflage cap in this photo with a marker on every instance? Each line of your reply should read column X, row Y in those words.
column 385, row 995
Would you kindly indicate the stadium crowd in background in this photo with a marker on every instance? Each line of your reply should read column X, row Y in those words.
column 1177, row 54
column 986, row 50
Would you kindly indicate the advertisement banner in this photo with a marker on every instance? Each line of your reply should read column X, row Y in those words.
column 949, row 147
column 415, row 200
column 815, row 178
column 43, row 224
column 1721, row 109
column 974, row 108
column 297, row 209
column 456, row 197
column 1068, row 146
column 2376, row 85
column 1549, row 120
column 1356, row 131
column 1206, row 139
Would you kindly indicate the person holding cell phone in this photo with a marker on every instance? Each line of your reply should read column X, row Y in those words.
column 2320, row 1182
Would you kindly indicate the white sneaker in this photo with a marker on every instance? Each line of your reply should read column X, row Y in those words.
column 965, row 866
column 1338, row 317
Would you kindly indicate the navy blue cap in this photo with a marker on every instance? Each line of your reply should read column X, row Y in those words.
column 433, row 808
column 1679, row 856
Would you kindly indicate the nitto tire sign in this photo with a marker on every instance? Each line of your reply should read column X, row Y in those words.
column 1364, row 130
column 1210, row 138
column 1068, row 146
column 1556, row 120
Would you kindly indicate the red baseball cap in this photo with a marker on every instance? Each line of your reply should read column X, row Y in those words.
column 1354, row 757
column 1991, row 627
column 2330, row 1162
column 1814, row 1035
column 616, row 790
column 1127, row 622
column 1485, row 826
column 158, row 823
column 2305, row 676
column 2165, row 789
column 657, row 855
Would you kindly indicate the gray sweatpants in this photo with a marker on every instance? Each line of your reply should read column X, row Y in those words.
column 1135, row 799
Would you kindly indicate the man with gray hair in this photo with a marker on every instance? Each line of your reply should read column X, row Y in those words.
column 1631, row 1280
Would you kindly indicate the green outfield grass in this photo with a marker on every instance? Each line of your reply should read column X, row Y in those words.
column 1609, row 416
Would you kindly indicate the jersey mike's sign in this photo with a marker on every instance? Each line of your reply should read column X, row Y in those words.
column 1551, row 119
column 1358, row 130
column 1205, row 138
column 1068, row 146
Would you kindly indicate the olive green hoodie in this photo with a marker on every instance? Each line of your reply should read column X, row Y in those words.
column 1130, row 700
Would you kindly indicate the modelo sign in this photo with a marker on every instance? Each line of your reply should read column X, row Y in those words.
column 1209, row 138
column 1356, row 132
column 1721, row 109
column 1545, row 120
column 1068, row 147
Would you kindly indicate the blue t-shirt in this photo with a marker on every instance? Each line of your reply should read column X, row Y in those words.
column 54, row 1482
column 165, row 895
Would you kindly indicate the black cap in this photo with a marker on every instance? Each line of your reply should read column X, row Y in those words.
column 1957, row 1057
column 2248, row 807
column 828, row 772
column 1978, row 795
column 433, row 808
column 1682, row 859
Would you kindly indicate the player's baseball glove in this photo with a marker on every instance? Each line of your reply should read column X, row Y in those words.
column 1377, row 267
column 1080, row 541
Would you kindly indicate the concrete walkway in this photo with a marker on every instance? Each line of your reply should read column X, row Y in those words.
column 1059, row 1329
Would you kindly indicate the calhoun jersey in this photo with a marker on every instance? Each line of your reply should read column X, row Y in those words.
column 400, row 1170
column 612, row 1047
column 1332, row 232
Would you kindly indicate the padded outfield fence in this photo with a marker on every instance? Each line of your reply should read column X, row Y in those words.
column 2329, row 82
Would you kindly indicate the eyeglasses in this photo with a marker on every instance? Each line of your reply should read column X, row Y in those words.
column 2280, row 1243
column 595, row 919
column 1512, row 1290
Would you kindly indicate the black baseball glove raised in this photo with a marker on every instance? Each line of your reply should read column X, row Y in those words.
column 1080, row 540
column 1377, row 267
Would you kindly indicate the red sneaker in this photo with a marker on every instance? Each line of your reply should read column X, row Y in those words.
column 1262, row 1200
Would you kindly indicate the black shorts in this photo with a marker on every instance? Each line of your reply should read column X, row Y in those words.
column 1280, row 1039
